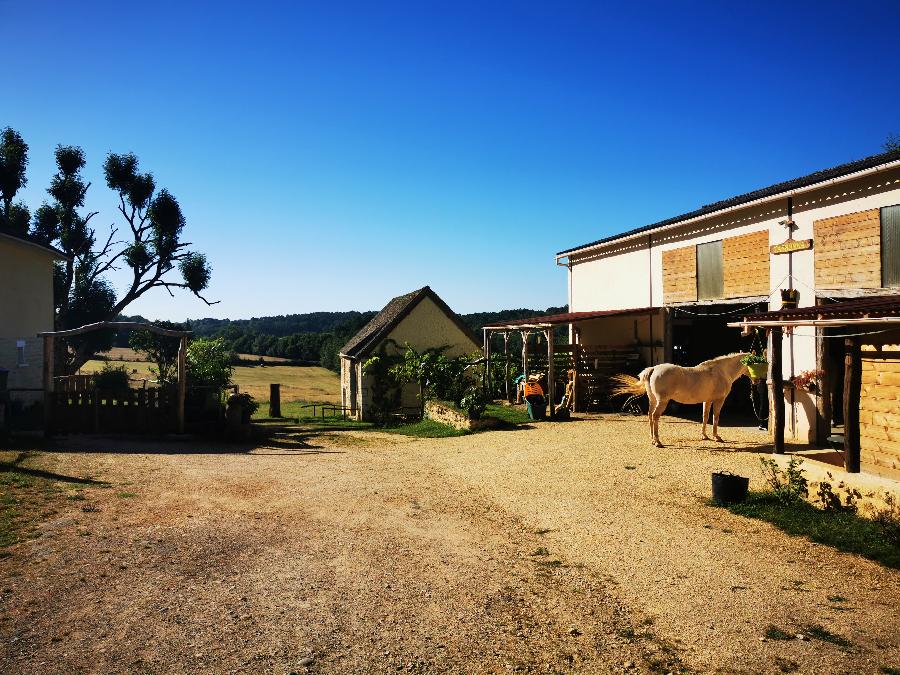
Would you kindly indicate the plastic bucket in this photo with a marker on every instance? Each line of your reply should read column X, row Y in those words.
column 758, row 370
column 729, row 488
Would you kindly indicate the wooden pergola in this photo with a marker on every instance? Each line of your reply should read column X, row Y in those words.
column 546, row 325
column 50, row 343
column 859, row 316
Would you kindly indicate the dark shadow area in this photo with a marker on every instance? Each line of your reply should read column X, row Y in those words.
column 15, row 466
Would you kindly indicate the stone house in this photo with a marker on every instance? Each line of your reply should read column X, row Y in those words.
column 26, row 309
column 420, row 319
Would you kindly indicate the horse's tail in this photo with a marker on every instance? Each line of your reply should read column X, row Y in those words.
column 627, row 384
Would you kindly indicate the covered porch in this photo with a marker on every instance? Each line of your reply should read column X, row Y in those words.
column 585, row 348
column 855, row 400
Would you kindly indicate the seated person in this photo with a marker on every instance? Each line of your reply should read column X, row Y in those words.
column 533, row 390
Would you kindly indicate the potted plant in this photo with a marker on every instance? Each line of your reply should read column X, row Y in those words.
column 756, row 364
column 789, row 298
column 807, row 380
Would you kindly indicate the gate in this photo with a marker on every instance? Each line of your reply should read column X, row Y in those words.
column 150, row 410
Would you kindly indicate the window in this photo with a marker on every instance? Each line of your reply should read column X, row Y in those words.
column 890, row 246
column 20, row 353
column 710, row 271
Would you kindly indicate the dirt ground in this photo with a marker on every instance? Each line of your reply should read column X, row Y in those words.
column 566, row 547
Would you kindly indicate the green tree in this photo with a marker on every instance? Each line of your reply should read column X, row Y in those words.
column 160, row 349
column 13, row 162
column 892, row 142
column 153, row 248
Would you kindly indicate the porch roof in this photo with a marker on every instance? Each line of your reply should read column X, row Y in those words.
column 880, row 309
column 568, row 317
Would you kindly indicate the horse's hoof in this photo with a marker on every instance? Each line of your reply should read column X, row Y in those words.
column 719, row 439
column 704, row 438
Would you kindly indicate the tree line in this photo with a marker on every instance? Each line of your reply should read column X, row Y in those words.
column 315, row 338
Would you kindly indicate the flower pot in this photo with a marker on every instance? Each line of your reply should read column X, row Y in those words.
column 758, row 371
column 789, row 298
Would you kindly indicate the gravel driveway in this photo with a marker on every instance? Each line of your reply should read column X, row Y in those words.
column 567, row 547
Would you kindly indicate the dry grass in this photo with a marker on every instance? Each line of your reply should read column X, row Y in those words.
column 298, row 383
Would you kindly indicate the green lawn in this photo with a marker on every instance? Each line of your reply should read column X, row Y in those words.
column 842, row 530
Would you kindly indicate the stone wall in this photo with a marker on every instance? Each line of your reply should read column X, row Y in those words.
column 443, row 413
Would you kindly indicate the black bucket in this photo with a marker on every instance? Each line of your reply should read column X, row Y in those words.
column 728, row 488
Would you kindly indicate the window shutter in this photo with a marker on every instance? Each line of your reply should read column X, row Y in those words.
column 890, row 246
column 710, row 271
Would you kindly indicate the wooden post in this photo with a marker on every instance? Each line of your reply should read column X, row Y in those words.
column 823, row 395
column 852, row 390
column 48, row 385
column 487, row 363
column 182, row 382
column 274, row 399
column 506, row 366
column 551, row 372
column 777, row 391
column 525, row 335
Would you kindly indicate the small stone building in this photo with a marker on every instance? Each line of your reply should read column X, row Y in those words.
column 420, row 319
column 26, row 309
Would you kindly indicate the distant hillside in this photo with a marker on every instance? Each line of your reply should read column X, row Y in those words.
column 316, row 337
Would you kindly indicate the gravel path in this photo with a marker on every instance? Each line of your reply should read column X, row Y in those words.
column 560, row 548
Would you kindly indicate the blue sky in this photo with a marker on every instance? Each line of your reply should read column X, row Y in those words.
column 329, row 156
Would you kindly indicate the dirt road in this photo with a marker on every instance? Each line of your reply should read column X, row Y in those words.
column 563, row 548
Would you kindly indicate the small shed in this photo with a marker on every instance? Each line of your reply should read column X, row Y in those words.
column 420, row 319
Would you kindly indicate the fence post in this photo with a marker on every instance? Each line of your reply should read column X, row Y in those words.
column 852, row 391
column 274, row 400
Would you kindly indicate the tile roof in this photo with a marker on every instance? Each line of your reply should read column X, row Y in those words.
column 393, row 313
column 27, row 241
column 778, row 188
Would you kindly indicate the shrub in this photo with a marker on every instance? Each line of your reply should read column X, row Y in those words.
column 111, row 378
column 249, row 406
column 888, row 519
column 474, row 403
column 209, row 363
column 789, row 485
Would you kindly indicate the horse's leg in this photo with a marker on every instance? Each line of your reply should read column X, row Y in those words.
column 707, row 407
column 650, row 406
column 717, row 410
column 657, row 413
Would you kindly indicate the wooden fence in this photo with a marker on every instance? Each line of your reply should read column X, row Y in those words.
column 125, row 411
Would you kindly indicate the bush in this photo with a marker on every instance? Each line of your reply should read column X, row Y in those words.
column 790, row 485
column 888, row 519
column 249, row 406
column 209, row 363
column 111, row 378
column 474, row 403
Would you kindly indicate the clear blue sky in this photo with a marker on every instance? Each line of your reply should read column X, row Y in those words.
column 331, row 155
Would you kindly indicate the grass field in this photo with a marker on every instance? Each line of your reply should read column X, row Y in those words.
column 298, row 383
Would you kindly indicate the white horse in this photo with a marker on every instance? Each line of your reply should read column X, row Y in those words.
column 708, row 383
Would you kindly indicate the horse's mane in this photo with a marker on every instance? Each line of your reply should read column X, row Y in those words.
column 717, row 359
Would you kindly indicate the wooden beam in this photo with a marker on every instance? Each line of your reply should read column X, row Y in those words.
column 777, row 396
column 823, row 393
column 852, row 390
column 182, row 382
column 525, row 353
column 551, row 373
column 49, row 347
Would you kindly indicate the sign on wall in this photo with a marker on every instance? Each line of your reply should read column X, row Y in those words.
column 791, row 245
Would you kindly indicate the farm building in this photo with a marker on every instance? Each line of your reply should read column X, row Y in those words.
column 420, row 319
column 824, row 238
column 26, row 308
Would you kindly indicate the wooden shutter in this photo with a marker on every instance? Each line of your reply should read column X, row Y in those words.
column 847, row 250
column 890, row 246
column 710, row 272
column 679, row 274
column 746, row 264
